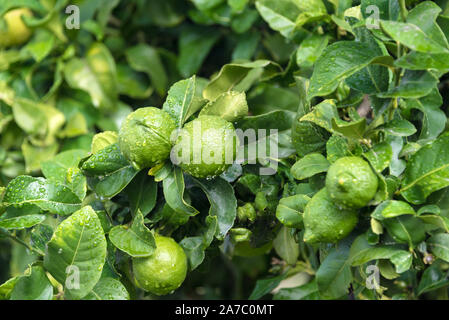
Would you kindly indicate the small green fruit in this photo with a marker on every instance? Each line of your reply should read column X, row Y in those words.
column 144, row 137
column 325, row 222
column 351, row 182
column 16, row 32
column 206, row 146
column 164, row 271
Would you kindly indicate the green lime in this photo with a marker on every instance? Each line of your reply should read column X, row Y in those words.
column 206, row 146
column 144, row 137
column 325, row 222
column 165, row 270
column 16, row 32
column 351, row 182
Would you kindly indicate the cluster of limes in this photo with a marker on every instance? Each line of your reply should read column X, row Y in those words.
column 147, row 138
column 332, row 213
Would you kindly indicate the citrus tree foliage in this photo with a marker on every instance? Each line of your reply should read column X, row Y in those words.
column 360, row 78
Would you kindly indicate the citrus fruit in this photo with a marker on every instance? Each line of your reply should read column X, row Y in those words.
column 165, row 270
column 16, row 32
column 205, row 147
column 351, row 182
column 325, row 222
column 144, row 137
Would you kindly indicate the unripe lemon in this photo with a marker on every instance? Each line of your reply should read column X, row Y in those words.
column 206, row 146
column 144, row 137
column 165, row 270
column 351, row 182
column 325, row 222
column 16, row 32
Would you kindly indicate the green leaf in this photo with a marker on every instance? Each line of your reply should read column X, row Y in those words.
column 434, row 119
column 290, row 210
column 35, row 155
column 424, row 15
column 183, row 100
column 412, row 37
column 47, row 195
column 136, row 240
column 337, row 147
column 373, row 78
column 108, row 171
column 7, row 287
column 96, row 74
column 144, row 58
column 280, row 15
column 231, row 76
column 265, row 286
column 362, row 252
column 307, row 137
column 223, row 203
column 195, row 44
column 354, row 129
column 108, row 289
column 437, row 220
column 106, row 161
column 322, row 114
column 22, row 222
column 424, row 61
column 427, row 171
column 391, row 209
column 41, row 44
column 400, row 128
column 142, row 193
column 132, row 83
column 40, row 236
column 432, row 279
column 231, row 106
column 308, row 291
column 77, row 252
column 388, row 9
column 38, row 119
column 285, row 246
column 174, row 188
column 102, row 140
column 414, row 84
column 33, row 286
column 195, row 247
column 379, row 156
column 57, row 167
column 334, row 274
column 309, row 166
column 406, row 229
column 310, row 49
column 439, row 245
column 338, row 61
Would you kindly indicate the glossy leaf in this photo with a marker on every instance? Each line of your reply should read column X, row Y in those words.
column 136, row 240
column 77, row 252
column 338, row 61
column 47, row 195
column 426, row 171
column 309, row 166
